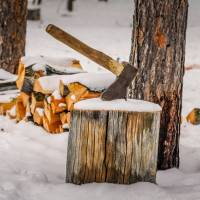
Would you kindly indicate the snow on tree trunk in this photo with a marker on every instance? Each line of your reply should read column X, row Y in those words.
column 12, row 33
column 158, row 51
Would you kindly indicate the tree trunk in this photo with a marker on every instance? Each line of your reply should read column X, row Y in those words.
column 12, row 33
column 70, row 5
column 113, row 146
column 158, row 51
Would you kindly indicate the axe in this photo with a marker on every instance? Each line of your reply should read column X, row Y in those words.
column 124, row 71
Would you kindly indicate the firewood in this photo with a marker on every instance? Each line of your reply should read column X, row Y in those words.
column 58, row 105
column 27, row 86
column 37, row 101
column 7, row 85
column 51, row 127
column 194, row 116
column 89, row 95
column 20, row 109
column 4, row 107
column 77, row 90
column 65, row 117
column 37, row 87
column 52, row 118
column 38, row 116
column 64, row 91
column 25, row 98
column 26, row 77
column 12, row 112
column 28, row 116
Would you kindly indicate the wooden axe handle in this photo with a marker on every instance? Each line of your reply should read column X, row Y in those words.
column 94, row 55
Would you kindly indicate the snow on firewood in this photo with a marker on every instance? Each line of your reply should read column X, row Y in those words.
column 4, row 75
column 119, row 104
column 94, row 81
column 40, row 111
column 56, row 94
column 6, row 98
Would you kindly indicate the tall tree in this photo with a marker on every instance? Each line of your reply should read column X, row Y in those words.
column 158, row 51
column 12, row 33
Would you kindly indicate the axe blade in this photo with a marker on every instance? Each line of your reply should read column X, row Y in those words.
column 118, row 89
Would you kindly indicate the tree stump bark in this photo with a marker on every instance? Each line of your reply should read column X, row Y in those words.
column 114, row 142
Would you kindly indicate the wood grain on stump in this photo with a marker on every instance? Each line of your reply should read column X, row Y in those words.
column 115, row 142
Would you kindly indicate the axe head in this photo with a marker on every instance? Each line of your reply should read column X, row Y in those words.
column 118, row 90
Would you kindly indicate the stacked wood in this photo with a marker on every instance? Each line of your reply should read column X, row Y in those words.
column 49, row 90
column 115, row 142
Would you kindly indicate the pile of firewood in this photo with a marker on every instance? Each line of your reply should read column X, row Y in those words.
column 48, row 90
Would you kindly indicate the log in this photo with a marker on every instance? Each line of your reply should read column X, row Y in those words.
column 52, row 127
column 38, row 116
column 25, row 98
column 7, row 85
column 65, row 118
column 37, row 101
column 12, row 112
column 114, row 142
column 4, row 107
column 52, row 118
column 20, row 109
column 76, row 90
column 64, row 91
column 194, row 116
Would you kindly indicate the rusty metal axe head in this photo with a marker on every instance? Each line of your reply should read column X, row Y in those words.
column 118, row 89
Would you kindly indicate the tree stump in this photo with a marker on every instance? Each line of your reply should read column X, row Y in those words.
column 113, row 141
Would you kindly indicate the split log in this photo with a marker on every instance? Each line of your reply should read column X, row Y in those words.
column 25, row 98
column 52, row 127
column 12, row 112
column 64, row 91
column 38, row 116
column 115, row 142
column 26, row 77
column 194, row 116
column 20, row 109
column 7, row 85
column 4, row 107
column 65, row 118
column 52, row 118
column 37, row 101
column 77, row 90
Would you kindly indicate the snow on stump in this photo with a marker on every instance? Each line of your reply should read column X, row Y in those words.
column 113, row 141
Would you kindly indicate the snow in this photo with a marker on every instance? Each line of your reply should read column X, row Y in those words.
column 40, row 111
column 33, row 162
column 12, row 111
column 62, row 105
column 56, row 95
column 6, row 98
column 94, row 81
column 4, row 75
column 61, row 64
column 119, row 104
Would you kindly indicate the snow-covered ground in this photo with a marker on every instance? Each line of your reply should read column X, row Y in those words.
column 32, row 162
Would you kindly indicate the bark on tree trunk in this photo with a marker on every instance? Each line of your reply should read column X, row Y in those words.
column 158, row 51
column 12, row 33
